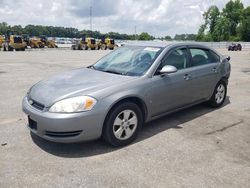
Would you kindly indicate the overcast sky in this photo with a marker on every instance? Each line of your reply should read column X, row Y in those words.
column 157, row 17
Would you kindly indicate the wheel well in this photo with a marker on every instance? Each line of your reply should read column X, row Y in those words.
column 139, row 102
column 225, row 79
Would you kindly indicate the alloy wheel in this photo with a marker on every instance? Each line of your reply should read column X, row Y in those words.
column 125, row 124
column 220, row 94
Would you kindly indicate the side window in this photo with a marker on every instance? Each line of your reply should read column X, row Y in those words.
column 203, row 56
column 177, row 58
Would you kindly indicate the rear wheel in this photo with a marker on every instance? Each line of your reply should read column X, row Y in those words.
column 123, row 124
column 219, row 95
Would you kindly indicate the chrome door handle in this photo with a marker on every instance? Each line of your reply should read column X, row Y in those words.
column 187, row 77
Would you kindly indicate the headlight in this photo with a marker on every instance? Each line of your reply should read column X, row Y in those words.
column 74, row 104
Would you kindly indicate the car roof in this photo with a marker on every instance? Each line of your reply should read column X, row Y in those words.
column 164, row 44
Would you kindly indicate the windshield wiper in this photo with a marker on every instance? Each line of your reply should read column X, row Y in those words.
column 92, row 67
column 114, row 72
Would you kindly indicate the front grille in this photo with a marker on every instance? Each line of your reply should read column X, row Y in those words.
column 37, row 105
column 63, row 134
column 32, row 124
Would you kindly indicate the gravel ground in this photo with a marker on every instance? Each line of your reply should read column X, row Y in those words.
column 197, row 147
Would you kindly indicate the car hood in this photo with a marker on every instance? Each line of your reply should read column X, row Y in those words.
column 73, row 83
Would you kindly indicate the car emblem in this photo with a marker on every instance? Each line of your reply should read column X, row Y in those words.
column 30, row 102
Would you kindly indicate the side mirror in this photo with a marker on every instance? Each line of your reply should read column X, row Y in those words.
column 167, row 69
column 225, row 58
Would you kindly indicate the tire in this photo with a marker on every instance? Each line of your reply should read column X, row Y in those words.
column 129, row 121
column 103, row 47
column 219, row 95
column 85, row 47
column 10, row 49
column 4, row 48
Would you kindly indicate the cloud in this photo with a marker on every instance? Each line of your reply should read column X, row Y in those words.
column 158, row 17
column 100, row 8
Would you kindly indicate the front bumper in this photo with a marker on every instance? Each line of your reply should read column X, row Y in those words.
column 63, row 127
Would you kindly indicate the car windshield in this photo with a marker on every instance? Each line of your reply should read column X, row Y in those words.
column 131, row 61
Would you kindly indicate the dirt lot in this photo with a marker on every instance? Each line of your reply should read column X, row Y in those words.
column 197, row 147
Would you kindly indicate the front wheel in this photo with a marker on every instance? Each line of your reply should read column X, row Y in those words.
column 219, row 95
column 123, row 124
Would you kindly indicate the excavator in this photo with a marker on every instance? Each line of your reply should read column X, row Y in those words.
column 47, row 42
column 84, row 44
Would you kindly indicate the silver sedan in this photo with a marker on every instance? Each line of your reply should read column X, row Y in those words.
column 132, row 85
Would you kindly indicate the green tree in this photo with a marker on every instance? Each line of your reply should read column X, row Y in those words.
column 211, row 16
column 145, row 36
column 4, row 27
column 233, row 12
column 168, row 38
column 221, row 29
column 244, row 28
column 201, row 33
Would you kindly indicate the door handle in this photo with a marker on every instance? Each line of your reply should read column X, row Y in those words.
column 187, row 77
column 214, row 69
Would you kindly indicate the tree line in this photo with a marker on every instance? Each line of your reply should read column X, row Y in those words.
column 68, row 32
column 230, row 24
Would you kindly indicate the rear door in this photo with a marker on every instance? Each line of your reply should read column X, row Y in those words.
column 206, row 64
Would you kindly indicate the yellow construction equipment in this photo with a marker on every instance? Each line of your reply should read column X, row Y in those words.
column 84, row 44
column 33, row 42
column 105, row 43
column 48, row 43
column 1, row 40
column 13, row 42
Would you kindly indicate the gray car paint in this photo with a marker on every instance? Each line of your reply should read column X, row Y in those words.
column 159, row 94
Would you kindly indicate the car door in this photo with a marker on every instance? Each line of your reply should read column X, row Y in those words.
column 172, row 90
column 206, row 65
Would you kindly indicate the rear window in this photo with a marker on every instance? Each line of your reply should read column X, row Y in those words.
column 92, row 41
column 17, row 40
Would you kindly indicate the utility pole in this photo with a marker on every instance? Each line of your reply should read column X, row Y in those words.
column 90, row 17
column 135, row 32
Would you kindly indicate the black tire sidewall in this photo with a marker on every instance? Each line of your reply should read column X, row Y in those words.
column 212, row 102
column 108, row 134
